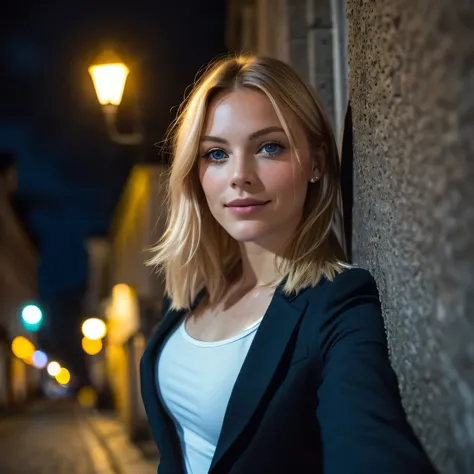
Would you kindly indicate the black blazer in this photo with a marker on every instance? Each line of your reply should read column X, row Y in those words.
column 316, row 393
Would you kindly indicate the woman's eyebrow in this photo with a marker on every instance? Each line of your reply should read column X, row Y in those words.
column 264, row 131
column 252, row 136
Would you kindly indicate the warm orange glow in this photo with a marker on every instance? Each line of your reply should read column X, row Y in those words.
column 23, row 348
column 63, row 377
column 109, row 81
column 121, row 291
column 94, row 328
column 122, row 297
column 91, row 346
column 87, row 397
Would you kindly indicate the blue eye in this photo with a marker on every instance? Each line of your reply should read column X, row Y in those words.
column 271, row 149
column 216, row 155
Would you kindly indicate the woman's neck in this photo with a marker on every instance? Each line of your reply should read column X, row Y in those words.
column 258, row 266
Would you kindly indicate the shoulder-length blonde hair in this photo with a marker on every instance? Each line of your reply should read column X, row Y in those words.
column 195, row 252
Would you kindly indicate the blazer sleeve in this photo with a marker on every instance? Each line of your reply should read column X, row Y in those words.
column 363, row 425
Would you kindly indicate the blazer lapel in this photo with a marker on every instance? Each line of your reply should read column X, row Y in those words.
column 161, row 424
column 259, row 367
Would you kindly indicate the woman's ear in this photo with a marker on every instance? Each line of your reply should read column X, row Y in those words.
column 319, row 161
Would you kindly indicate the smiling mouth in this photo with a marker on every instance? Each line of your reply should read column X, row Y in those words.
column 246, row 209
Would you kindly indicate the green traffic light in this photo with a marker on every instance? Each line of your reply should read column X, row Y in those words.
column 32, row 317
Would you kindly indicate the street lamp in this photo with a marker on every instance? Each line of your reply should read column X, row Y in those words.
column 109, row 75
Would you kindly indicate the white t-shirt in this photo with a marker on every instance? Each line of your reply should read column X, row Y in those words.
column 194, row 383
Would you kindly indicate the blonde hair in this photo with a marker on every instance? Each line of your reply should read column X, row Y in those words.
column 195, row 252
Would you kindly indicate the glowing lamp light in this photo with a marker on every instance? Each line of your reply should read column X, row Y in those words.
column 63, row 376
column 22, row 348
column 39, row 359
column 94, row 328
column 91, row 346
column 53, row 368
column 109, row 75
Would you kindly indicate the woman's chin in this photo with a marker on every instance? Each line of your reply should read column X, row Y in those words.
column 248, row 234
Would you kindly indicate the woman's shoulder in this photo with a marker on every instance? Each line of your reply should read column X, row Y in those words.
column 351, row 281
column 347, row 304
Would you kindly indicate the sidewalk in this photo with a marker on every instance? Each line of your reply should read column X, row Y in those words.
column 116, row 453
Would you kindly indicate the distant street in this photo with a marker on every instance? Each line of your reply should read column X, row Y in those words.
column 57, row 438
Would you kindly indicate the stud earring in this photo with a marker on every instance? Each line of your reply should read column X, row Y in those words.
column 313, row 180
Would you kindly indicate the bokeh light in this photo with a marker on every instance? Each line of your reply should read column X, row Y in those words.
column 53, row 368
column 22, row 348
column 31, row 314
column 39, row 359
column 87, row 397
column 94, row 328
column 63, row 376
column 91, row 346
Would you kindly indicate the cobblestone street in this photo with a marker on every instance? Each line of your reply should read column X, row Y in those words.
column 58, row 438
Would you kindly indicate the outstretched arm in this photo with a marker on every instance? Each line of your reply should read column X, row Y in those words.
column 363, row 425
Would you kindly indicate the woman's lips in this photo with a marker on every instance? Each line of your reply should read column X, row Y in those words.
column 247, row 209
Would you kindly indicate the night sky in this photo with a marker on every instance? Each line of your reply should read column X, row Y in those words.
column 70, row 175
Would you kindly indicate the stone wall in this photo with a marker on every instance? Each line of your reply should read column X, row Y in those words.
column 411, row 87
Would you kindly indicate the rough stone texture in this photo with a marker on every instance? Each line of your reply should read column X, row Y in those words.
column 411, row 89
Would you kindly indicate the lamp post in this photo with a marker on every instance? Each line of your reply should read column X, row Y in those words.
column 109, row 75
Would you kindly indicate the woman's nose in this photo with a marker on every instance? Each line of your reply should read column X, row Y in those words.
column 242, row 171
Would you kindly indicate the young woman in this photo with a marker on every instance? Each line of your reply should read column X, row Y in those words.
column 271, row 356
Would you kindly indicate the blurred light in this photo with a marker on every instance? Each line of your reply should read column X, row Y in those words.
column 94, row 328
column 87, row 397
column 121, row 290
column 53, row 368
column 91, row 346
column 63, row 376
column 122, row 296
column 109, row 75
column 32, row 317
column 22, row 348
column 39, row 359
column 31, row 314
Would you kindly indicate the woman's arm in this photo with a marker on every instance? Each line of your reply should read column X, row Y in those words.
column 363, row 425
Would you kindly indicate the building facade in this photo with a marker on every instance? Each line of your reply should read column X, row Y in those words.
column 311, row 35
column 126, row 292
column 18, row 286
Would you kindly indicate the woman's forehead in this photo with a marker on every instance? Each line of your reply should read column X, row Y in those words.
column 246, row 110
